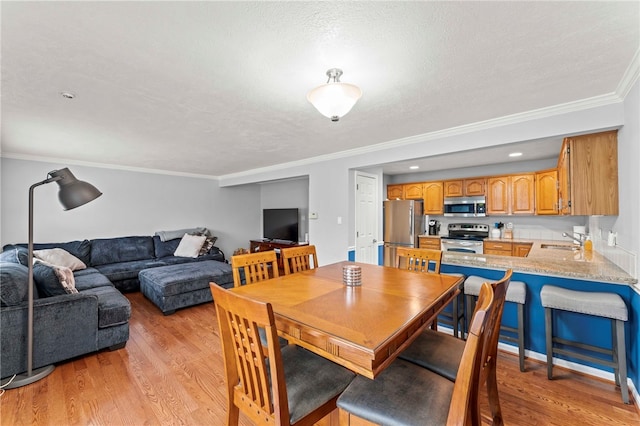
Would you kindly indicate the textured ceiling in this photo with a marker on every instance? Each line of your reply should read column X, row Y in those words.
column 216, row 88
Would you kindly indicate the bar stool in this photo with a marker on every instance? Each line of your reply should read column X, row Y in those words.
column 455, row 318
column 606, row 305
column 516, row 293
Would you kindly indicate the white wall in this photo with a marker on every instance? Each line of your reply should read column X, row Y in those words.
column 290, row 193
column 132, row 203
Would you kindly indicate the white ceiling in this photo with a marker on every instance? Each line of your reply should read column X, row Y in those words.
column 215, row 88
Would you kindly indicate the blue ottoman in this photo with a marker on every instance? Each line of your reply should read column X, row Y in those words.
column 178, row 286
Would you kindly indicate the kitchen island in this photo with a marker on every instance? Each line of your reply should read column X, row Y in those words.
column 551, row 258
column 572, row 269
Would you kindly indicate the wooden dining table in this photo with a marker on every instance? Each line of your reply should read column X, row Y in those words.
column 364, row 327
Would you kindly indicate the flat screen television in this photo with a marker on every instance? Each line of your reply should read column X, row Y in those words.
column 280, row 224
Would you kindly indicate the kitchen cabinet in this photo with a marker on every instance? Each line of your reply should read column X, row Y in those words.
column 413, row 191
column 507, row 248
column 502, row 248
column 433, row 197
column 464, row 187
column 588, row 174
column 521, row 249
column 547, row 192
column 453, row 188
column 395, row 192
column 511, row 194
column 430, row 242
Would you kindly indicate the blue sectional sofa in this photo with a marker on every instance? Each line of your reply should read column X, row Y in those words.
column 95, row 318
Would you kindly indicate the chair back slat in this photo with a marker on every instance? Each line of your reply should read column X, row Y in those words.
column 256, row 267
column 298, row 259
column 418, row 259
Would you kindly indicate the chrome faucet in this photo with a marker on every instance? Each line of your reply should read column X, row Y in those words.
column 580, row 240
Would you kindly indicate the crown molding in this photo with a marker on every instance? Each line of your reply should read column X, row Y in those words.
column 630, row 76
column 67, row 161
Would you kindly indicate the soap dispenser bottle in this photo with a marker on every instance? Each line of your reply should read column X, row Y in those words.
column 588, row 244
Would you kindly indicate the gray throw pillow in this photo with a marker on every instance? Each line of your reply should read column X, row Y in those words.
column 52, row 281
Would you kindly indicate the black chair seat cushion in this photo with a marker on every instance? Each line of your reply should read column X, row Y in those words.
column 311, row 380
column 403, row 394
column 437, row 352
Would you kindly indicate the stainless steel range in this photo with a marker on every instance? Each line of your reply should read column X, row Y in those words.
column 465, row 237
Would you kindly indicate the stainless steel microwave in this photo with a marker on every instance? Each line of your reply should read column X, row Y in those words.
column 465, row 206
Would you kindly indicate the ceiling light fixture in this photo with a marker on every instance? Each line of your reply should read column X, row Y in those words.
column 414, row 167
column 515, row 154
column 334, row 99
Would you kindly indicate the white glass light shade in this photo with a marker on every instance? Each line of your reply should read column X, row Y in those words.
column 334, row 100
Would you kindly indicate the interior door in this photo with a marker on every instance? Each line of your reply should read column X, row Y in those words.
column 366, row 218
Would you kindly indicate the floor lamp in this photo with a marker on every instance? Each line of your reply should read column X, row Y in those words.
column 72, row 193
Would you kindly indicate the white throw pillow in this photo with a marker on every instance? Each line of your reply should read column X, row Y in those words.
column 59, row 257
column 190, row 245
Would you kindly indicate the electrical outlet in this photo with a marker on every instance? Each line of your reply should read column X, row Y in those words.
column 313, row 215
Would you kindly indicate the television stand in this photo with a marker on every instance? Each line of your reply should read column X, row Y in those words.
column 266, row 245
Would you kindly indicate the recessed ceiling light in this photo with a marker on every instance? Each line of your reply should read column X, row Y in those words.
column 414, row 167
column 67, row 95
column 515, row 154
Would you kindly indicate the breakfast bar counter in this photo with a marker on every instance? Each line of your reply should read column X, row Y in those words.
column 551, row 258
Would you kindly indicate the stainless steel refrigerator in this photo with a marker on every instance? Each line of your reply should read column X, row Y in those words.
column 403, row 222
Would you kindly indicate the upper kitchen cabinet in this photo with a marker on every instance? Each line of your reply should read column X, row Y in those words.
column 464, row 188
column 511, row 194
column 413, row 191
column 395, row 192
column 547, row 192
column 588, row 174
column 433, row 197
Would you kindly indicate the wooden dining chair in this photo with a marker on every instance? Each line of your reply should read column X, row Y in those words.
column 287, row 386
column 442, row 353
column 407, row 394
column 429, row 260
column 254, row 267
column 298, row 259
column 418, row 259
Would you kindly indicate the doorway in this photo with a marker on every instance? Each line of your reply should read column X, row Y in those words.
column 366, row 212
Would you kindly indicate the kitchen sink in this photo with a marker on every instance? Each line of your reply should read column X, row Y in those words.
column 571, row 247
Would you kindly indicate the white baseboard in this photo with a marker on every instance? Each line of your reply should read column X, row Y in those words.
column 573, row 366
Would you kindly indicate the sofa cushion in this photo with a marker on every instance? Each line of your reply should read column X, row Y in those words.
column 123, row 249
column 60, row 257
column 91, row 280
column 80, row 249
column 127, row 270
column 53, row 280
column 15, row 254
column 164, row 248
column 113, row 307
column 14, row 283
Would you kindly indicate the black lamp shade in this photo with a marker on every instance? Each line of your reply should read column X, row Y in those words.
column 73, row 192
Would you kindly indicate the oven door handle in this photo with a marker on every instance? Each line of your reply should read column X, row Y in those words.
column 465, row 243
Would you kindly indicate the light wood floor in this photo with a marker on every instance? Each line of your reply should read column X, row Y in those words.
column 171, row 373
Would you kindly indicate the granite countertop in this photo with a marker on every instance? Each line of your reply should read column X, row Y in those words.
column 589, row 266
